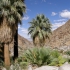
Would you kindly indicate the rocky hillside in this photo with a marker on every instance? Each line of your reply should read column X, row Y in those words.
column 24, row 43
column 60, row 36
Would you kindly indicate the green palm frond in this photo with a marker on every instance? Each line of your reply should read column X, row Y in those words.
column 40, row 27
column 16, row 8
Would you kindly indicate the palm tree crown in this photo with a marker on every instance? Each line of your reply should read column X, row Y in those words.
column 11, row 11
column 39, row 29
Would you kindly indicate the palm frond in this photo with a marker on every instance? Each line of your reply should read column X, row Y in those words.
column 12, row 7
column 40, row 27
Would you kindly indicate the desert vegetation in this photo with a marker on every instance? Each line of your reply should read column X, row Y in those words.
column 41, row 56
column 11, row 13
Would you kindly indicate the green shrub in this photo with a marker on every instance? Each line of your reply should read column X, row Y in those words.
column 37, row 56
column 41, row 56
column 21, row 61
column 68, row 60
column 55, row 53
column 56, row 58
column 67, row 52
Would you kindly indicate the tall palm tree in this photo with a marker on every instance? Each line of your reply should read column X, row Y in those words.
column 21, row 8
column 40, row 28
column 11, row 12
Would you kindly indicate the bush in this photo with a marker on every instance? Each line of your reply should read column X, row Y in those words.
column 37, row 56
column 56, row 58
column 55, row 53
column 41, row 56
column 21, row 61
column 68, row 53
column 68, row 60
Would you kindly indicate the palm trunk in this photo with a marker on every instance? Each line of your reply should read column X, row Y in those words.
column 1, row 51
column 16, row 45
column 6, row 55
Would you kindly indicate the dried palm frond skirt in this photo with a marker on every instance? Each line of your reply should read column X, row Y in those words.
column 6, row 33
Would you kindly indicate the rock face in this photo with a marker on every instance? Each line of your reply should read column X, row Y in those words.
column 24, row 43
column 60, row 36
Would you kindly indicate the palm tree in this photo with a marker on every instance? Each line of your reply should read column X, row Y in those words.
column 21, row 8
column 11, row 12
column 40, row 29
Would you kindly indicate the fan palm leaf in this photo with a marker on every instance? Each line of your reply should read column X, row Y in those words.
column 39, row 29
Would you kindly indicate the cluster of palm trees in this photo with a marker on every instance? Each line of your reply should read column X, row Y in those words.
column 11, row 12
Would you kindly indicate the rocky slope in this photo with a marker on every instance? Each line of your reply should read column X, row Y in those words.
column 60, row 36
column 24, row 43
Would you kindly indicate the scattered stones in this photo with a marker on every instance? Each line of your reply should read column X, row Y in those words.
column 13, row 67
column 65, row 66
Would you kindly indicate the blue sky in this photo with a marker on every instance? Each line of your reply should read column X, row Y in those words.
column 58, row 12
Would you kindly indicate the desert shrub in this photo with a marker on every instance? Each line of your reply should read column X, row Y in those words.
column 56, row 58
column 41, row 56
column 67, row 52
column 58, row 61
column 37, row 56
column 68, row 60
column 55, row 53
column 22, row 62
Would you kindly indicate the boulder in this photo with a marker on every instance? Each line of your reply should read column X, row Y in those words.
column 30, row 67
column 3, row 68
column 47, row 68
column 65, row 66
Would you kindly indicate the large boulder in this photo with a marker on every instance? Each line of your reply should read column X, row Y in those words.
column 65, row 66
column 47, row 68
